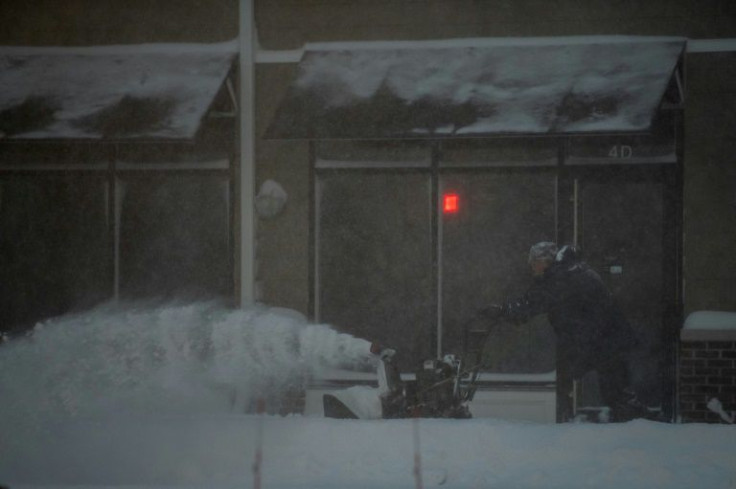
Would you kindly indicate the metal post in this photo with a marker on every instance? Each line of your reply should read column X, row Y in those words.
column 437, row 221
column 247, row 236
column 575, row 213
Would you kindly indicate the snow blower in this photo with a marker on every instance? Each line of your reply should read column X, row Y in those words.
column 439, row 388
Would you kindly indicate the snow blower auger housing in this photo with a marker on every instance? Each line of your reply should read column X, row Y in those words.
column 440, row 388
column 436, row 392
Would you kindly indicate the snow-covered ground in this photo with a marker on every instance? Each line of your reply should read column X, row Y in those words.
column 300, row 452
column 158, row 396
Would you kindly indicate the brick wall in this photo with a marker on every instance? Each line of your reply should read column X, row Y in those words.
column 707, row 370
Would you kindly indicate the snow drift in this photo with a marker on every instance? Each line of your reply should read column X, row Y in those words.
column 168, row 359
column 159, row 396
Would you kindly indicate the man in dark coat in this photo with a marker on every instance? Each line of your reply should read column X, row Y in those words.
column 592, row 332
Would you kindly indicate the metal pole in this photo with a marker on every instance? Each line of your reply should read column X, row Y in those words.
column 575, row 214
column 247, row 237
column 437, row 221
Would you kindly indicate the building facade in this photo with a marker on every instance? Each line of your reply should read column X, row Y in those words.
column 363, row 242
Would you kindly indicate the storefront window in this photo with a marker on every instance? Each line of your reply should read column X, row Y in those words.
column 174, row 237
column 54, row 246
column 484, row 250
column 374, row 260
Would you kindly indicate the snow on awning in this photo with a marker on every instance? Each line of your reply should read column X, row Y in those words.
column 477, row 87
column 158, row 91
column 709, row 326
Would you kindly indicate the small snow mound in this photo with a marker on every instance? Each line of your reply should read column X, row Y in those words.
column 711, row 320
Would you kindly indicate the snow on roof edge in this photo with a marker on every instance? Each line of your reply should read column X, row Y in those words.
column 227, row 47
column 711, row 45
column 487, row 42
column 294, row 55
column 711, row 320
column 91, row 91
column 693, row 46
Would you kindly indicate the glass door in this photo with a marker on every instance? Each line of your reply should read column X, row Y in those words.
column 374, row 259
column 484, row 246
column 622, row 227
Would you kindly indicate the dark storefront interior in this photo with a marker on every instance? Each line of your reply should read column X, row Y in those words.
column 115, row 177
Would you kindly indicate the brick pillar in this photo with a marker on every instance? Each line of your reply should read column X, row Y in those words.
column 707, row 370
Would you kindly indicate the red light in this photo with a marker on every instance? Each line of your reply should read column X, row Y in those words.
column 451, row 203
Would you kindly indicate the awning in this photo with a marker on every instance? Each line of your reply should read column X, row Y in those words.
column 477, row 87
column 157, row 91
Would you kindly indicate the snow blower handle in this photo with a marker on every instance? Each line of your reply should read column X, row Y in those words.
column 475, row 339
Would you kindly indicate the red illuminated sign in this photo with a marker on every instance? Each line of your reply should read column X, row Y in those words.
column 450, row 203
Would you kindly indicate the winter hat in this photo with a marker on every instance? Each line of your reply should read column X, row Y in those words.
column 544, row 250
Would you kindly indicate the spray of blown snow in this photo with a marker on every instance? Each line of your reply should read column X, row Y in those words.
column 165, row 360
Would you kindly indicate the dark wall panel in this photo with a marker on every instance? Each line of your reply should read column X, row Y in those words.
column 485, row 248
column 174, row 237
column 375, row 260
column 55, row 252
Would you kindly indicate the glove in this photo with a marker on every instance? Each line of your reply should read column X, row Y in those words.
column 384, row 353
column 494, row 311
